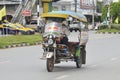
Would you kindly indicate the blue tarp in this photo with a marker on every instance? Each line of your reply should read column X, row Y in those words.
column 73, row 14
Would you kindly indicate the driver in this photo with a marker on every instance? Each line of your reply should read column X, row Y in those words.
column 64, row 40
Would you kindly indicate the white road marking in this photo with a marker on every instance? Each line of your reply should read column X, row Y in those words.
column 92, row 66
column 113, row 59
column 2, row 62
column 62, row 77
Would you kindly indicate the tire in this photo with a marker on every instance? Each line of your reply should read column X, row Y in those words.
column 75, row 30
column 79, row 30
column 79, row 61
column 71, row 30
column 83, row 52
column 50, row 64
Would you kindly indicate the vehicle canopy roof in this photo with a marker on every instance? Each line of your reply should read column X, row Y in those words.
column 65, row 14
column 50, row 14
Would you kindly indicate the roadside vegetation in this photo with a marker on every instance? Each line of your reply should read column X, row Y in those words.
column 109, row 30
column 113, row 28
column 114, row 18
column 19, row 39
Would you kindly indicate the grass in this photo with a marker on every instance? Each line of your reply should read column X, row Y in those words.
column 19, row 39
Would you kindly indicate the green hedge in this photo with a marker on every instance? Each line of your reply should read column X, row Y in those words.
column 112, row 26
column 103, row 26
column 109, row 30
column 115, row 26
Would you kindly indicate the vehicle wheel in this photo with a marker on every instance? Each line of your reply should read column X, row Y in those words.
column 79, row 30
column 75, row 30
column 28, row 33
column 79, row 61
column 32, row 33
column 50, row 64
column 83, row 52
column 23, row 33
column 71, row 30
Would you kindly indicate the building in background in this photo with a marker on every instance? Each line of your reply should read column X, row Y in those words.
column 14, row 8
column 86, row 7
column 66, row 5
column 11, row 6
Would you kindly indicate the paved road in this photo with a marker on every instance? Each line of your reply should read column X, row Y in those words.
column 103, row 62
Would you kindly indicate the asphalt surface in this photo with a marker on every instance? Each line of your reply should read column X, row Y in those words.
column 103, row 62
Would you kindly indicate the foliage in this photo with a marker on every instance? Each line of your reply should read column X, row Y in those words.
column 103, row 26
column 108, row 30
column 113, row 26
column 19, row 39
column 115, row 10
column 104, row 12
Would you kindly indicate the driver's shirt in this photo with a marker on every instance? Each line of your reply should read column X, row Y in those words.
column 74, row 37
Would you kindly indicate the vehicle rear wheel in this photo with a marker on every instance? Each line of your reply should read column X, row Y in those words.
column 75, row 30
column 79, row 61
column 83, row 52
column 71, row 30
column 50, row 64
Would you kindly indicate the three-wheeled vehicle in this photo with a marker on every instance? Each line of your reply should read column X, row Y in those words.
column 56, row 43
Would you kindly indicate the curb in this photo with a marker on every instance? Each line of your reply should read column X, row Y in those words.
column 21, row 45
column 107, row 32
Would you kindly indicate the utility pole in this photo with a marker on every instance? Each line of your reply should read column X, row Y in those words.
column 4, row 6
column 107, row 4
column 93, row 15
column 38, row 15
column 108, row 14
column 75, row 5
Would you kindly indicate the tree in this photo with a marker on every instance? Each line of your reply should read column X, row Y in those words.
column 115, row 10
column 104, row 13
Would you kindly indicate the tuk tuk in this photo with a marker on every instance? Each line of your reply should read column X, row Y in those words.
column 56, row 44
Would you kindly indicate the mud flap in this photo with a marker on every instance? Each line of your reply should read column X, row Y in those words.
column 49, row 54
column 77, row 51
